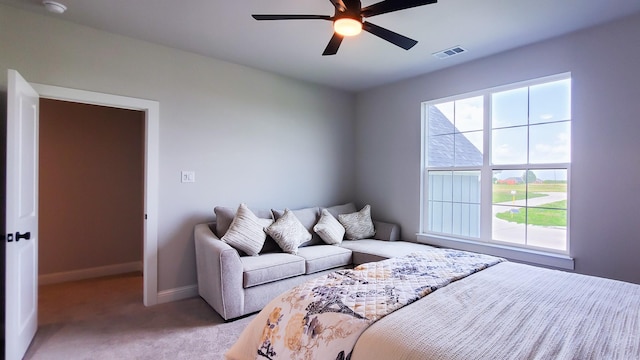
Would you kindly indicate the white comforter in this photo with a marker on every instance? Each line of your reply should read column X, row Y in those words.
column 513, row 311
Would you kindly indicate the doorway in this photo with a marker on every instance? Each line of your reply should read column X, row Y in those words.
column 91, row 197
column 151, row 144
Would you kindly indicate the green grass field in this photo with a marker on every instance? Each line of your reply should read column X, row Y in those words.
column 553, row 214
column 502, row 192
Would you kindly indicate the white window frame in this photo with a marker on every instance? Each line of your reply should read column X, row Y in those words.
column 559, row 259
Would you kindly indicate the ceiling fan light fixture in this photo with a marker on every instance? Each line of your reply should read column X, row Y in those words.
column 347, row 26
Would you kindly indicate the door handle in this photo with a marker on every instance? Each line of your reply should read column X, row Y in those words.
column 25, row 236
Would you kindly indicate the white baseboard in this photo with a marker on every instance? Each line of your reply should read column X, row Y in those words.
column 176, row 294
column 89, row 273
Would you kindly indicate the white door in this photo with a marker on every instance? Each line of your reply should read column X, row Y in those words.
column 21, row 319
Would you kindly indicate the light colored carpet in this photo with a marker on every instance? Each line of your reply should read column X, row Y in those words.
column 105, row 319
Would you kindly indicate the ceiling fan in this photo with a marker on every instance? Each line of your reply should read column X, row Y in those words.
column 348, row 20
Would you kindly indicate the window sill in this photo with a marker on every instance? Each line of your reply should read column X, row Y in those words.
column 512, row 253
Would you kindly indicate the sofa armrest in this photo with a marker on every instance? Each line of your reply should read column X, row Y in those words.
column 219, row 273
column 386, row 231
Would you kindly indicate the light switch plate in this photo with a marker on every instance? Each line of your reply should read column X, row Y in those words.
column 187, row 176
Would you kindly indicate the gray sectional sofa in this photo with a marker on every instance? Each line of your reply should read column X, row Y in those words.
column 236, row 284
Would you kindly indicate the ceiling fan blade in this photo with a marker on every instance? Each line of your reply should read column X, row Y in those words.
column 392, row 37
column 339, row 4
column 388, row 6
column 353, row 5
column 334, row 44
column 291, row 17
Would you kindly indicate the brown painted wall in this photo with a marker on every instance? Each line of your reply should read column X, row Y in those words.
column 91, row 186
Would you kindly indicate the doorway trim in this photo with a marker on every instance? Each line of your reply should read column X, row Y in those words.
column 151, row 169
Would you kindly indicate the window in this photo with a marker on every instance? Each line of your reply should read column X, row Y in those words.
column 496, row 165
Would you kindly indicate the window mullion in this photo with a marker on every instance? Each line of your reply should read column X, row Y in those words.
column 486, row 175
column 526, row 170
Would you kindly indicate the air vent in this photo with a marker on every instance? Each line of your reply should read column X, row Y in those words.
column 449, row 52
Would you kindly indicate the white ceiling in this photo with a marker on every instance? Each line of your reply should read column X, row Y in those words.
column 225, row 30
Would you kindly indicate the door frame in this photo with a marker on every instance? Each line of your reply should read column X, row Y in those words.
column 151, row 168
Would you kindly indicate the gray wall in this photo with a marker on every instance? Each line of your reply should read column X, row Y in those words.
column 604, row 196
column 250, row 136
column 271, row 141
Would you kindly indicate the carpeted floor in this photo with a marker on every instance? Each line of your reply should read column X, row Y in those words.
column 105, row 319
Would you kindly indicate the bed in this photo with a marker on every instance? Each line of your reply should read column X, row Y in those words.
column 497, row 310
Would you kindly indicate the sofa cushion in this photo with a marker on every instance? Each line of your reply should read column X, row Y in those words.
column 308, row 217
column 369, row 250
column 342, row 209
column 329, row 229
column 288, row 232
column 358, row 225
column 246, row 232
column 324, row 257
column 270, row 267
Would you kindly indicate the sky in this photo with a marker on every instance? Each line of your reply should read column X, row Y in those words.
column 546, row 108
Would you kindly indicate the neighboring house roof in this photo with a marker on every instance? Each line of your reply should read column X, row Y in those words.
column 511, row 180
column 441, row 143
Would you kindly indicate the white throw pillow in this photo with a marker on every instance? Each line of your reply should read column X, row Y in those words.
column 329, row 229
column 358, row 225
column 288, row 232
column 246, row 232
column 307, row 217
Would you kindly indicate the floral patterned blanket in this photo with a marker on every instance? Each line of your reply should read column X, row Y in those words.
column 324, row 317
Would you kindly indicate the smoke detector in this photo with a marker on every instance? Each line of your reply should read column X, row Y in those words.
column 54, row 7
column 449, row 52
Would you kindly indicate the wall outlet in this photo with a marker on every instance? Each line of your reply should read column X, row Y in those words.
column 187, row 176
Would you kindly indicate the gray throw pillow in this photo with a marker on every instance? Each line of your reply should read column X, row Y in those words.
column 246, row 232
column 288, row 232
column 358, row 225
column 329, row 229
